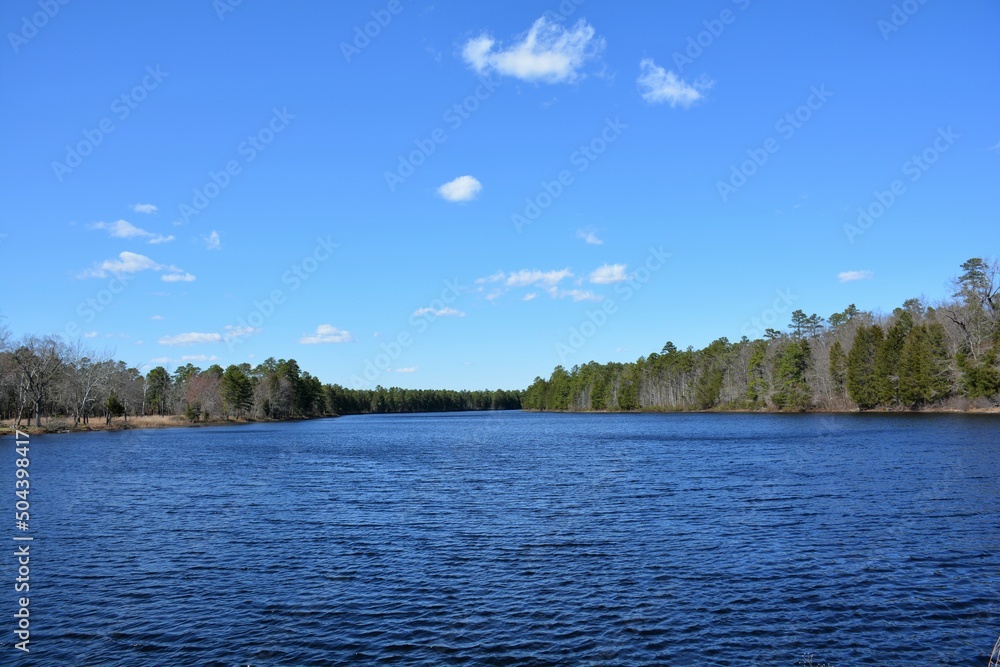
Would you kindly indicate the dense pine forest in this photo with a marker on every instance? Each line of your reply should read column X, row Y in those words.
column 918, row 357
column 43, row 377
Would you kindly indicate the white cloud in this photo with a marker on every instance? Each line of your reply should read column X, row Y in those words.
column 326, row 333
column 609, row 273
column 198, row 357
column 589, row 236
column 131, row 262
column 123, row 229
column 192, row 338
column 530, row 296
column 156, row 317
column 408, row 369
column 161, row 360
column 212, row 241
column 548, row 52
column 233, row 333
column 851, row 276
column 90, row 334
column 144, row 208
column 525, row 277
column 177, row 278
column 658, row 85
column 575, row 294
column 439, row 312
column 463, row 188
column 495, row 278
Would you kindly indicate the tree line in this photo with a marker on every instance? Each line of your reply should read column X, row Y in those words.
column 43, row 376
column 919, row 356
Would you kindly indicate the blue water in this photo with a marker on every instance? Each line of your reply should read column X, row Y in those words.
column 515, row 539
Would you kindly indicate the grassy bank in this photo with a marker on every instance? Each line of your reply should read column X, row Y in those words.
column 65, row 425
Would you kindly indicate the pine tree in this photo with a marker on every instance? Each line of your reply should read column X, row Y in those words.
column 862, row 386
column 887, row 359
column 791, row 388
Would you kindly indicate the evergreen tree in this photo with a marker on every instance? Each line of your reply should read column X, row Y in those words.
column 791, row 390
column 887, row 359
column 862, row 385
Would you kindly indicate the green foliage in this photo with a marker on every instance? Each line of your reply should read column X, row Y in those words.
column 862, row 383
column 791, row 389
column 887, row 360
column 237, row 390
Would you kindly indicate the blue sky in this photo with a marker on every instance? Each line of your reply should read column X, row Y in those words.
column 470, row 194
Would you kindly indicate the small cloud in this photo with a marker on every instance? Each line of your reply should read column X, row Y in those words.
column 525, row 277
column 192, row 338
column 90, row 334
column 462, row 189
column 144, row 208
column 851, row 276
column 198, row 357
column 156, row 317
column 326, row 333
column 495, row 278
column 161, row 360
column 657, row 85
column 177, row 278
column 608, row 274
column 589, row 236
column 131, row 262
column 232, row 333
column 530, row 296
column 139, row 342
column 547, row 53
column 575, row 294
column 123, row 229
column 212, row 241
column 409, row 369
column 439, row 312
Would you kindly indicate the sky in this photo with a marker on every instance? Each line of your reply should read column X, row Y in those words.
column 443, row 194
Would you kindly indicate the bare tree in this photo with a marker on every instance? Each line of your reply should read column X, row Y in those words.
column 38, row 362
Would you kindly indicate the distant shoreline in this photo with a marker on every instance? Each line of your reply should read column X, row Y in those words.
column 152, row 422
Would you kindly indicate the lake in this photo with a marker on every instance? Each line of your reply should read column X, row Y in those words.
column 515, row 539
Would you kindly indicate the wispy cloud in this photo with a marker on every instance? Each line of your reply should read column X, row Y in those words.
column 589, row 236
column 657, row 85
column 851, row 276
column 527, row 277
column 575, row 294
column 326, row 333
column 199, row 357
column 548, row 52
column 131, row 262
column 438, row 312
column 408, row 369
column 144, row 208
column 462, row 189
column 212, row 241
column 608, row 274
column 191, row 338
column 123, row 229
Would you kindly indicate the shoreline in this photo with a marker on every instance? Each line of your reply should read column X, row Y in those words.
column 61, row 425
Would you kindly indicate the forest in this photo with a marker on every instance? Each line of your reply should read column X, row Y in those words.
column 44, row 377
column 921, row 356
